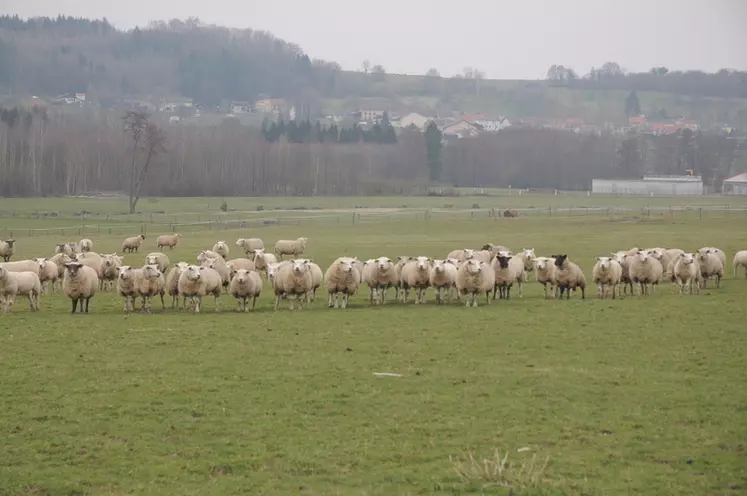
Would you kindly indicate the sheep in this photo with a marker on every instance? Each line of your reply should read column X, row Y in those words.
column 399, row 292
column 644, row 270
column 624, row 258
column 150, row 283
column 127, row 285
column 170, row 240
column 366, row 272
column 132, row 244
column 607, row 272
column 504, row 275
column 710, row 265
column 196, row 282
column 95, row 261
column 250, row 244
column 686, row 272
column 482, row 255
column 716, row 251
column 669, row 256
column 290, row 247
column 293, row 279
column 358, row 264
column 219, row 265
column 475, row 277
column 22, row 266
column 64, row 248
column 6, row 249
column 461, row 255
column 60, row 259
column 221, row 248
column 262, row 259
column 442, row 277
column 48, row 272
column 740, row 260
column 494, row 249
column 416, row 274
column 342, row 277
column 19, row 283
column 569, row 277
column 159, row 259
column 520, row 264
column 172, row 283
column 316, row 278
column 240, row 263
column 245, row 284
column 109, row 273
column 383, row 276
column 206, row 255
column 80, row 283
column 85, row 245
column 546, row 274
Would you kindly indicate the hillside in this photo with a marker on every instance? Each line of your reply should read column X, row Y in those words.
column 211, row 64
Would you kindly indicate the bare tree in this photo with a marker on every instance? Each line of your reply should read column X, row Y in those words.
column 147, row 137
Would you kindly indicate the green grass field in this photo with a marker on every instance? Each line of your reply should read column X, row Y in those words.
column 642, row 395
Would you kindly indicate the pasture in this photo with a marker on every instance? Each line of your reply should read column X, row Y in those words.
column 642, row 395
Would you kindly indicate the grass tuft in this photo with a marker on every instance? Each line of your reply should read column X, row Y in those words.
column 499, row 470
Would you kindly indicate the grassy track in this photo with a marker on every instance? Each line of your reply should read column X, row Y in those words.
column 636, row 396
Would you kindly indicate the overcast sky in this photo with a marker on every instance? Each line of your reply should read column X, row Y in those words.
column 503, row 38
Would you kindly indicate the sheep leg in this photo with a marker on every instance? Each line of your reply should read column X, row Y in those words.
column 718, row 281
column 345, row 300
column 521, row 288
column 277, row 301
column 163, row 305
column 217, row 301
column 88, row 300
column 75, row 304
column 31, row 301
column 487, row 297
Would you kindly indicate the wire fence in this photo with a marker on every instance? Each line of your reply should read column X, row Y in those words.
column 175, row 224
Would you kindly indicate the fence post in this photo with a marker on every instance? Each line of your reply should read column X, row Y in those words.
column 700, row 210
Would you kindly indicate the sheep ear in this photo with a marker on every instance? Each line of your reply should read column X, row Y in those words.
column 202, row 267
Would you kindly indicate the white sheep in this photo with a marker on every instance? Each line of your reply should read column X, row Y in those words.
column 399, row 292
column 196, row 282
column 240, row 263
column 442, row 277
column 170, row 240
column 606, row 274
column 262, row 260
column 366, row 272
column 293, row 279
column 740, row 260
column 358, row 264
column 80, row 283
column 85, row 245
column 219, row 265
column 546, row 274
column 461, row 255
column 221, row 248
column 482, row 255
column 668, row 257
column 21, row 266
column 624, row 258
column 644, row 270
column 290, row 247
column 504, row 275
column 6, row 249
column 132, row 243
column 520, row 264
column 494, row 249
column 250, row 244
column 716, row 251
column 342, row 277
column 13, row 284
column 159, row 259
column 569, row 277
column 109, row 269
column 206, row 255
column 383, row 277
column 473, row 279
column 95, row 261
column 416, row 275
column 64, row 248
column 710, row 266
column 127, row 277
column 151, row 283
column 60, row 259
column 245, row 284
column 317, row 277
column 48, row 273
column 172, row 284
column 686, row 272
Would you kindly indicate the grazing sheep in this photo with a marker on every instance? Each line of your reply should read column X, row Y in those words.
column 250, row 244
column 48, row 273
column 443, row 277
column 510, row 213
column 109, row 272
column 607, row 273
column 686, row 272
column 383, row 276
column 245, row 284
column 196, row 282
column 13, row 284
column 740, row 260
column 219, row 265
column 710, row 266
column 159, row 259
column 170, row 240
column 85, row 245
column 132, row 243
column 240, row 263
column 6, row 249
column 569, row 277
column 644, row 270
column 150, row 283
column 80, row 283
column 474, row 278
column 461, row 255
column 21, row 266
column 342, row 278
column 293, row 279
column 504, row 275
column 172, row 284
column 127, row 285
column 416, row 274
column 546, row 274
column 262, row 259
column 221, row 248
column 290, row 247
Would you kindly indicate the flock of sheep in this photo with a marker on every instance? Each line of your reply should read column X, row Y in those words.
column 463, row 273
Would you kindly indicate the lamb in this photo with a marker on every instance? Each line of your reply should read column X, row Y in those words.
column 383, row 276
column 19, row 283
column 127, row 285
column 342, row 277
column 48, row 273
column 250, row 244
column 196, row 282
column 159, row 259
column 132, row 243
column 219, row 265
column 150, row 283
column 474, row 278
column 293, row 279
column 569, row 277
column 170, row 240
column 172, row 283
column 546, row 274
column 109, row 269
column 85, row 245
column 606, row 273
column 262, row 259
column 22, row 266
column 245, row 284
column 461, row 255
column 686, row 272
column 6, row 249
column 416, row 274
column 504, row 275
column 442, row 277
column 79, row 284
column 740, row 260
column 290, row 247
column 240, row 263
column 221, row 248
column 710, row 266
column 644, row 270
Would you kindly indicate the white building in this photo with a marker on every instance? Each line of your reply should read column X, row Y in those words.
column 650, row 186
column 735, row 185
column 493, row 125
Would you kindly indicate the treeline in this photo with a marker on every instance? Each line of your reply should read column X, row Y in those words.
column 51, row 153
column 382, row 133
